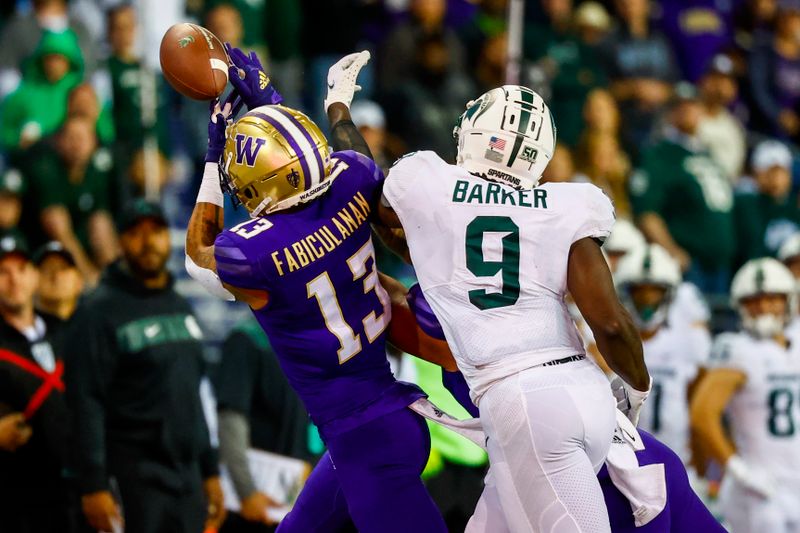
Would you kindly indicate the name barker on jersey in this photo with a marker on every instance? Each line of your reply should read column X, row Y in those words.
column 466, row 192
column 315, row 245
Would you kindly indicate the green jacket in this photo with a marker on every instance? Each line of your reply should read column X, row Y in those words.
column 763, row 224
column 133, row 363
column 37, row 103
column 691, row 193
column 577, row 72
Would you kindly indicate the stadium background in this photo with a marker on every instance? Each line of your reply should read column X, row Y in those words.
column 614, row 73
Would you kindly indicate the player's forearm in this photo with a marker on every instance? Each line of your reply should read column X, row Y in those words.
column 620, row 345
column 344, row 134
column 395, row 240
column 204, row 226
column 708, row 404
column 713, row 437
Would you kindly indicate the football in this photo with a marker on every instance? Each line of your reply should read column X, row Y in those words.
column 194, row 61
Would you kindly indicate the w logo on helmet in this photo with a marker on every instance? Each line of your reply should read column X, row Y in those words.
column 247, row 149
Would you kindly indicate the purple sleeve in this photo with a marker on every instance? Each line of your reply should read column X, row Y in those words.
column 426, row 320
column 370, row 175
column 455, row 383
column 233, row 266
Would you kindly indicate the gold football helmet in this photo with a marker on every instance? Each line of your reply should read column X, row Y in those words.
column 275, row 157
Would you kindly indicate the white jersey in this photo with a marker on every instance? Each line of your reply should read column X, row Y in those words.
column 492, row 261
column 688, row 306
column 673, row 363
column 765, row 412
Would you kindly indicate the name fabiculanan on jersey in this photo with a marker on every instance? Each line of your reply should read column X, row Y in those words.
column 316, row 244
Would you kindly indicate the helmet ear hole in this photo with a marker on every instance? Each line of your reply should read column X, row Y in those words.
column 249, row 193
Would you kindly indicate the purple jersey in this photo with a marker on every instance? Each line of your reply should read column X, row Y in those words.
column 327, row 314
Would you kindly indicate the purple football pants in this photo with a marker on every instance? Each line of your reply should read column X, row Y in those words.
column 370, row 477
column 684, row 510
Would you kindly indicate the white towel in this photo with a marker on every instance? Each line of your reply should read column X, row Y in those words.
column 470, row 428
column 645, row 487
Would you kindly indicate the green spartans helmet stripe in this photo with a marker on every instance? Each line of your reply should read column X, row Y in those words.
column 524, row 120
column 760, row 279
column 647, row 263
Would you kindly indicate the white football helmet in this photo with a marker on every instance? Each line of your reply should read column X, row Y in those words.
column 790, row 248
column 624, row 237
column 764, row 276
column 649, row 264
column 506, row 135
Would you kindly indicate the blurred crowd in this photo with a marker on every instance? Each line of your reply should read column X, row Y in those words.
column 686, row 113
column 650, row 99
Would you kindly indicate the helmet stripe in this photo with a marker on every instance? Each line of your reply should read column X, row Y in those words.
column 302, row 138
column 276, row 123
column 307, row 135
column 524, row 120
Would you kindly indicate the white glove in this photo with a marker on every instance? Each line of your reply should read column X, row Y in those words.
column 342, row 78
column 753, row 479
column 629, row 400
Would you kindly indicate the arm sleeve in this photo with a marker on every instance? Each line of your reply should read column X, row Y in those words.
column 89, row 365
column 423, row 312
column 345, row 136
column 598, row 217
column 234, row 439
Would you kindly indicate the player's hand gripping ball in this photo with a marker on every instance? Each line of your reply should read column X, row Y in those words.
column 249, row 79
column 194, row 61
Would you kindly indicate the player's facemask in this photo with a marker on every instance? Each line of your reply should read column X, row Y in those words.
column 274, row 158
column 651, row 316
column 764, row 325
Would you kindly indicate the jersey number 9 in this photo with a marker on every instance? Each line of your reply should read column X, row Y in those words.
column 508, row 265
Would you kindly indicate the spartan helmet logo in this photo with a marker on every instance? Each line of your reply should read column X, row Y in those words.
column 293, row 178
column 185, row 41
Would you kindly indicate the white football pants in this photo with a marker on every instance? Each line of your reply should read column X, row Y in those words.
column 548, row 432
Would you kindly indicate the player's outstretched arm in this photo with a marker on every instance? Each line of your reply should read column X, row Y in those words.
column 207, row 217
column 589, row 281
column 405, row 332
column 711, row 397
column 342, row 86
column 207, row 220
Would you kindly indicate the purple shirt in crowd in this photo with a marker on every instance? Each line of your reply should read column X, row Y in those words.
column 697, row 29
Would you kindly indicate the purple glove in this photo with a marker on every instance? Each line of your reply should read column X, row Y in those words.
column 426, row 320
column 220, row 113
column 255, row 88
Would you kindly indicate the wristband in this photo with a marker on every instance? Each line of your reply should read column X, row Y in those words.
column 210, row 191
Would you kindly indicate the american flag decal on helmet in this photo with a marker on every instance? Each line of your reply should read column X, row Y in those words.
column 497, row 143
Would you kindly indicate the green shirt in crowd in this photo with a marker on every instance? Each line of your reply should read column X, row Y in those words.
column 48, row 185
column 763, row 223
column 38, row 107
column 690, row 192
column 126, row 82
column 577, row 72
